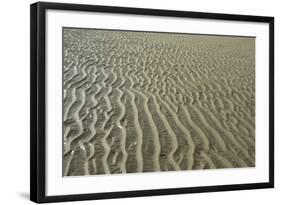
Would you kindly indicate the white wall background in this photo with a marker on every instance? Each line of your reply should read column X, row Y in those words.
column 14, row 100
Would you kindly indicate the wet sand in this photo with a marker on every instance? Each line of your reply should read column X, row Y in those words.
column 146, row 102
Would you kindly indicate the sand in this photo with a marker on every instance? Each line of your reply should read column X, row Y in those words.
column 146, row 102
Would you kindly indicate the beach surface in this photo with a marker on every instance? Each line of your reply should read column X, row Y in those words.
column 145, row 102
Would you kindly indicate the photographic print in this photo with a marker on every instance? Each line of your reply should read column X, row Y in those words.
column 136, row 101
column 133, row 102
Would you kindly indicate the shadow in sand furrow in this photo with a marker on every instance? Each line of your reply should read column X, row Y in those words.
column 167, row 137
column 184, row 155
column 232, row 144
column 216, row 141
column 151, row 147
column 148, row 142
column 134, row 131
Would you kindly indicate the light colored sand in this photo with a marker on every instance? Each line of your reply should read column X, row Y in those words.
column 143, row 102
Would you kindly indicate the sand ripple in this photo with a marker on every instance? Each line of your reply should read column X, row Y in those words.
column 144, row 102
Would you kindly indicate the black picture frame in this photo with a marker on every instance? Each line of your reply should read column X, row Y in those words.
column 38, row 101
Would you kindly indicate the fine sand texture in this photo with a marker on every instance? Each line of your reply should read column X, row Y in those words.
column 147, row 101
